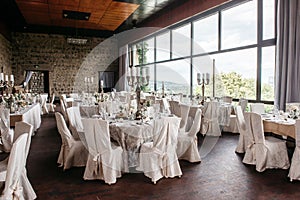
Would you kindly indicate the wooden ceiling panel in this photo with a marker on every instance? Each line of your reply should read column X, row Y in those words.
column 95, row 4
column 32, row 6
column 122, row 7
column 105, row 14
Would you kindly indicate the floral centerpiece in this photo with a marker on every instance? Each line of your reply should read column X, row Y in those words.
column 294, row 111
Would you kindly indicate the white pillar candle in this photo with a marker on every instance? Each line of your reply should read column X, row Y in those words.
column 101, row 83
column 92, row 79
column 6, row 77
column 198, row 76
column 88, row 79
column 207, row 76
column 11, row 78
column 137, row 71
column 85, row 79
column 1, row 77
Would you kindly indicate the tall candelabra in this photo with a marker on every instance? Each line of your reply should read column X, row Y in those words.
column 5, row 84
column 88, row 81
column 203, row 79
column 138, row 77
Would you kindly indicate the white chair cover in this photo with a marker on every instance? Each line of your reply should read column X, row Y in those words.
column 64, row 110
column 158, row 158
column 233, row 127
column 175, row 108
column 43, row 103
column 294, row 172
column 21, row 128
column 210, row 124
column 184, row 114
column 244, row 127
column 258, row 108
column 227, row 99
column 72, row 152
column 51, row 106
column 105, row 160
column 7, row 133
column 75, row 123
column 266, row 152
column 187, row 144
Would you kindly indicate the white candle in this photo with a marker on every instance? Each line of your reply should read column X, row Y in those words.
column 92, row 79
column 1, row 77
column 147, row 71
column 207, row 76
column 129, row 72
column 11, row 78
column 6, row 77
column 137, row 71
column 88, row 79
column 85, row 79
column 101, row 83
column 133, row 71
column 143, row 72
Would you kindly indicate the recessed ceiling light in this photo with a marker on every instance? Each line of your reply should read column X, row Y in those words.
column 69, row 14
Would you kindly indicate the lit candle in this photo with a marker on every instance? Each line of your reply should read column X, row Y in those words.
column 1, row 77
column 101, row 83
column 11, row 78
column 6, row 77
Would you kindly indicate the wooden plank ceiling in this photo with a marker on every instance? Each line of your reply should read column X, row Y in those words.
column 105, row 14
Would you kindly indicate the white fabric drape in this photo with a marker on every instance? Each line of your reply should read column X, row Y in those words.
column 294, row 172
column 287, row 53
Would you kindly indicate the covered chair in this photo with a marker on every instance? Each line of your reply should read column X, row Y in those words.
column 158, row 158
column 210, row 123
column 72, row 152
column 244, row 127
column 105, row 160
column 51, row 106
column 257, row 108
column 187, row 143
column 75, row 123
column 265, row 152
column 174, row 107
column 6, row 132
column 64, row 110
column 184, row 114
column 294, row 172
column 43, row 101
column 21, row 128
column 233, row 128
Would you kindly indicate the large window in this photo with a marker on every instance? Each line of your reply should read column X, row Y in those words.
column 239, row 25
column 181, row 41
column 206, row 34
column 233, row 43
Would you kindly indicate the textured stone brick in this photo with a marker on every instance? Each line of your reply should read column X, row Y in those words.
column 67, row 64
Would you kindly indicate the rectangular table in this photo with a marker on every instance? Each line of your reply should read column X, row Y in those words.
column 280, row 127
column 31, row 115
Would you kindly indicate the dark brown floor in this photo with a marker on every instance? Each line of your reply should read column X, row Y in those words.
column 220, row 175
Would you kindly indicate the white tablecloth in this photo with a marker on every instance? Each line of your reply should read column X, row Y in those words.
column 31, row 115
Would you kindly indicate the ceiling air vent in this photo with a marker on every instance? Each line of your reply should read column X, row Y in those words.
column 69, row 14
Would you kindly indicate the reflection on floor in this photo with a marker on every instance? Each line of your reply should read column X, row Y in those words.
column 220, row 175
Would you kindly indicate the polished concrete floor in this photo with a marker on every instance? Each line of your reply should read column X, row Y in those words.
column 220, row 175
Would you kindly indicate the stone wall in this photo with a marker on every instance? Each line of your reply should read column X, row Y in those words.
column 67, row 64
column 5, row 56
